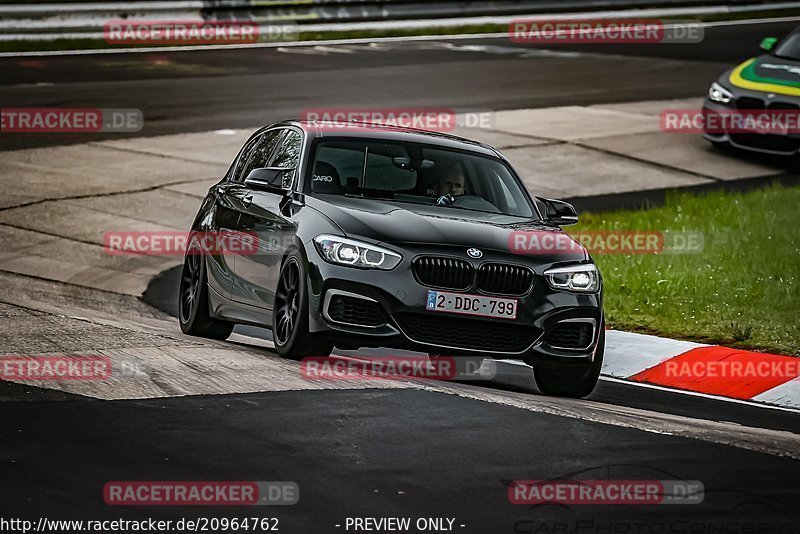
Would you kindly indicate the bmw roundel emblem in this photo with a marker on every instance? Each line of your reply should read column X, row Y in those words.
column 474, row 253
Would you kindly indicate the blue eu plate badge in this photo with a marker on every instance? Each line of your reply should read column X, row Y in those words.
column 431, row 300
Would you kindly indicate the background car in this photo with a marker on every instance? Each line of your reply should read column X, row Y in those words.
column 770, row 82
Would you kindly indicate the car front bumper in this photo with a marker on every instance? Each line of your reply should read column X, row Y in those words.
column 765, row 143
column 407, row 324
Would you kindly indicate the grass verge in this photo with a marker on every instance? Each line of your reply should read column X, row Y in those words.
column 742, row 290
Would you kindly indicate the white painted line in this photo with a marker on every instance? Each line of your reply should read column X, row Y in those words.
column 787, row 394
column 360, row 40
column 774, row 399
column 698, row 394
column 633, row 353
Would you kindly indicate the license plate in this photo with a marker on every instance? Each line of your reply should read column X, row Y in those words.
column 443, row 301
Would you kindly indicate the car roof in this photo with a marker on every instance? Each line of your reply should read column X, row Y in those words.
column 317, row 129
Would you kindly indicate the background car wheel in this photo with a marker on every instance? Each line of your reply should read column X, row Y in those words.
column 290, row 315
column 572, row 380
column 193, row 310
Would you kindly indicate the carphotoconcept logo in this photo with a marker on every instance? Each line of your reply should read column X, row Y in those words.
column 621, row 31
column 70, row 120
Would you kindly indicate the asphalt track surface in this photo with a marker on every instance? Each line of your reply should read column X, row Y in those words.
column 163, row 295
column 373, row 454
column 379, row 453
column 182, row 92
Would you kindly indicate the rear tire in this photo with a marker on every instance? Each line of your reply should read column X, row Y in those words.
column 194, row 313
column 574, row 381
column 290, row 314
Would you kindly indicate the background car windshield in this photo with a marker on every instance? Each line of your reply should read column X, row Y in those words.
column 414, row 173
column 790, row 47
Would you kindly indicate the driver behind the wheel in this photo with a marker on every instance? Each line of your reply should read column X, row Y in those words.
column 450, row 182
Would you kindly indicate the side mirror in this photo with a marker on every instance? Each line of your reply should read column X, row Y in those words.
column 768, row 43
column 559, row 212
column 268, row 179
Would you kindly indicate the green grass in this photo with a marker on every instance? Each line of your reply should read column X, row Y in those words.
column 742, row 290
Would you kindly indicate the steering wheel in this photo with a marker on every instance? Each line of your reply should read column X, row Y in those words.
column 474, row 202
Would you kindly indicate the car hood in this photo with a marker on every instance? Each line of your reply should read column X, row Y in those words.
column 385, row 221
column 769, row 74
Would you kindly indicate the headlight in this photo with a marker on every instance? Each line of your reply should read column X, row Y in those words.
column 343, row 251
column 578, row 278
column 717, row 93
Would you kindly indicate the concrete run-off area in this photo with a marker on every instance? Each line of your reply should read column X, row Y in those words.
column 58, row 202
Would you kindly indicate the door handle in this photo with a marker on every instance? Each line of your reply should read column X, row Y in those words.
column 247, row 201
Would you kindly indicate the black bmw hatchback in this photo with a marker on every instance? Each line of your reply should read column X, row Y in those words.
column 364, row 235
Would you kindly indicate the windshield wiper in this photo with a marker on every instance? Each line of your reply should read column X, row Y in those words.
column 351, row 195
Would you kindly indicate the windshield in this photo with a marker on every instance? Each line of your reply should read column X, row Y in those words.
column 789, row 48
column 418, row 174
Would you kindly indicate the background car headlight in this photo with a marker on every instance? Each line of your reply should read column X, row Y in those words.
column 717, row 93
column 578, row 278
column 343, row 251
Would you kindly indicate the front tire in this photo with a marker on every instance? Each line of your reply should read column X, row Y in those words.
column 574, row 381
column 193, row 310
column 290, row 314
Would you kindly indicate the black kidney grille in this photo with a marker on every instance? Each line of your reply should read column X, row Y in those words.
column 504, row 279
column 783, row 105
column 747, row 102
column 490, row 336
column 344, row 309
column 449, row 273
column 570, row 336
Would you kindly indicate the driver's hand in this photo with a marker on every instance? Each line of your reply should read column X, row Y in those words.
column 445, row 200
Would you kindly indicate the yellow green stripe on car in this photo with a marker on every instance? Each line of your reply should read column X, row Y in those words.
column 744, row 76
